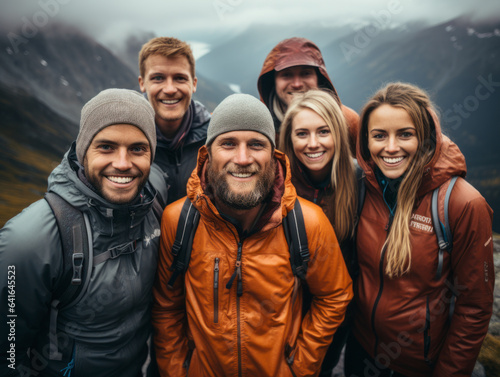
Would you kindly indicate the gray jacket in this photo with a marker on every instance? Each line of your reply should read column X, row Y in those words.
column 106, row 332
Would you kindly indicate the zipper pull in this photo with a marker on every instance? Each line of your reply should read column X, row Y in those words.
column 239, row 289
column 237, row 273
column 216, row 273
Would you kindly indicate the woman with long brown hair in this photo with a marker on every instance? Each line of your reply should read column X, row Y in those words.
column 314, row 136
column 404, row 323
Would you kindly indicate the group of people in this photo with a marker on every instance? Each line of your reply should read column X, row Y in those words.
column 373, row 281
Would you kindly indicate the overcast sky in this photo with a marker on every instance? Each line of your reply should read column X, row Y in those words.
column 209, row 20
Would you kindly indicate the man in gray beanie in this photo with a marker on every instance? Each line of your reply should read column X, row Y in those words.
column 237, row 309
column 85, row 256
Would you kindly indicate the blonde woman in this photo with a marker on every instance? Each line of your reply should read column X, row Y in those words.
column 314, row 136
column 402, row 324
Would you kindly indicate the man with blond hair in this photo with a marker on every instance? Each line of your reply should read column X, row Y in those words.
column 168, row 80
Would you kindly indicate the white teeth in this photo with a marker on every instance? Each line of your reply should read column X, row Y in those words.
column 170, row 102
column 120, row 179
column 394, row 160
column 241, row 175
column 314, row 155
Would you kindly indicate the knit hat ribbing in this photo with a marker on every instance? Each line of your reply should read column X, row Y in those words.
column 241, row 112
column 115, row 106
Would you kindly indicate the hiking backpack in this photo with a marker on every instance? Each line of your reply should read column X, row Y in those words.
column 78, row 259
column 293, row 225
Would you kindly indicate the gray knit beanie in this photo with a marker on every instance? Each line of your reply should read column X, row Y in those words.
column 115, row 106
column 241, row 112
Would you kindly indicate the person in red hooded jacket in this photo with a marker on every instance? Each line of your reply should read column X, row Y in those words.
column 295, row 65
column 404, row 324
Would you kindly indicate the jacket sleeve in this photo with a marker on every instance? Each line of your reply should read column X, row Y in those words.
column 29, row 268
column 474, row 278
column 169, row 312
column 331, row 287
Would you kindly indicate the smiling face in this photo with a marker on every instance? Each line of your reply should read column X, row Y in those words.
column 241, row 169
column 392, row 140
column 313, row 143
column 290, row 81
column 117, row 162
column 169, row 85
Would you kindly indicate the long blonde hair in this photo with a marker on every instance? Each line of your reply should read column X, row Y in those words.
column 342, row 177
column 417, row 104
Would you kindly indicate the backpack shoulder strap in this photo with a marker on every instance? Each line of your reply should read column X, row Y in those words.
column 443, row 232
column 295, row 233
column 181, row 249
column 361, row 195
column 157, row 209
column 75, row 241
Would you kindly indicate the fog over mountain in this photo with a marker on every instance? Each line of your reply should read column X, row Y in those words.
column 56, row 54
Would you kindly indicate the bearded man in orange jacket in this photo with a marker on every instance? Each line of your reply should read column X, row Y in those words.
column 206, row 325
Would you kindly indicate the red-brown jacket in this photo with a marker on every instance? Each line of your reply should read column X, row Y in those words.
column 404, row 321
column 251, row 335
column 291, row 52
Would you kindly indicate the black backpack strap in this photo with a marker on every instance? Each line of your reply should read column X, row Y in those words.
column 296, row 237
column 181, row 249
column 74, row 240
column 157, row 209
column 361, row 198
column 75, row 248
column 353, row 265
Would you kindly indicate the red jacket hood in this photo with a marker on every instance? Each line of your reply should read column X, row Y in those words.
column 289, row 53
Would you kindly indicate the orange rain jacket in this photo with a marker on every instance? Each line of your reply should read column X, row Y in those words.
column 404, row 321
column 251, row 335
column 301, row 51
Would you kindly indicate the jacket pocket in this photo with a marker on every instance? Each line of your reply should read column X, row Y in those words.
column 216, row 290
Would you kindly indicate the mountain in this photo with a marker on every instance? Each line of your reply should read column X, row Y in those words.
column 33, row 138
column 239, row 60
column 457, row 62
column 44, row 82
column 43, row 85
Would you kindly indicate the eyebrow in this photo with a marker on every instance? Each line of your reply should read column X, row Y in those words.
column 112, row 142
column 400, row 129
column 307, row 129
column 236, row 140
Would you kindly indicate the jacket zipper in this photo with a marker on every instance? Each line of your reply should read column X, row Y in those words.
column 316, row 193
column 216, row 291
column 427, row 337
column 239, row 292
column 381, row 287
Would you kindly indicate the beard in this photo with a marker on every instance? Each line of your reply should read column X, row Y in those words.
column 220, row 188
